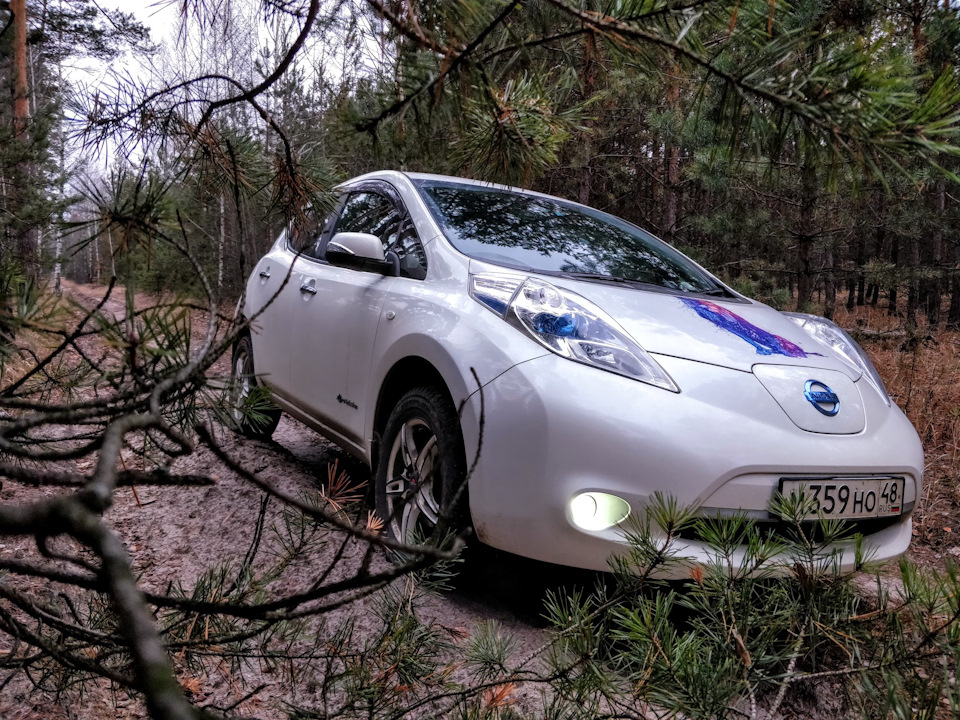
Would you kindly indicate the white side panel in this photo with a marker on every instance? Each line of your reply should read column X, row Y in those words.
column 269, row 304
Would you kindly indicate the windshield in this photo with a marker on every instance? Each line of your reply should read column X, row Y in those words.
column 550, row 236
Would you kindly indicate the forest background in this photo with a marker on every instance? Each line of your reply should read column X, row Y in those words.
column 804, row 153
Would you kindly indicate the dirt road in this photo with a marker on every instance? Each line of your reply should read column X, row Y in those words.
column 176, row 534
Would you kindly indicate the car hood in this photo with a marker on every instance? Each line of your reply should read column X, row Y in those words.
column 733, row 334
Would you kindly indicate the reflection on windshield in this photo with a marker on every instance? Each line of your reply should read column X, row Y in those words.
column 546, row 235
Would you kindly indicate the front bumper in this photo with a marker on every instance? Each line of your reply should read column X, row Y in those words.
column 554, row 429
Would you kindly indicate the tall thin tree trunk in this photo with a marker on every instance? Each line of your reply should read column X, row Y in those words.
column 113, row 261
column 655, row 182
column 934, row 295
column 879, row 238
column 913, row 291
column 953, row 316
column 829, row 284
column 671, row 161
column 28, row 254
column 894, row 259
column 221, row 246
column 20, row 95
column 861, row 276
column 589, row 84
column 57, row 267
column 96, row 254
column 806, row 235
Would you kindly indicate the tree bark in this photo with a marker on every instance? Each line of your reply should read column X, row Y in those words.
column 671, row 163
column 894, row 259
column 879, row 238
column 933, row 297
column 26, row 245
column 20, row 95
column 953, row 317
column 806, row 235
column 589, row 79
column 829, row 285
column 221, row 246
column 913, row 291
column 95, row 239
column 113, row 262
column 861, row 277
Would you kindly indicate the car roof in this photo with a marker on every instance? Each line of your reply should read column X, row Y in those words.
column 411, row 176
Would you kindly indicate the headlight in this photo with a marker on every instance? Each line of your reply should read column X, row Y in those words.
column 837, row 339
column 568, row 325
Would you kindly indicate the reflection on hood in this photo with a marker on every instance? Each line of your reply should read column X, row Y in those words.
column 765, row 342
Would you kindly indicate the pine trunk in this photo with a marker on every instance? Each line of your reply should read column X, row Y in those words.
column 113, row 262
column 96, row 255
column 806, row 235
column 953, row 317
column 913, row 291
column 934, row 295
column 861, row 278
column 829, row 285
column 221, row 246
column 894, row 259
column 20, row 95
column 672, row 164
column 589, row 84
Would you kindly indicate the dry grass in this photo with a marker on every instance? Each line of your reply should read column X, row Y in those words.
column 923, row 377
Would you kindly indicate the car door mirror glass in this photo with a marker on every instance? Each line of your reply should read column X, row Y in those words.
column 355, row 245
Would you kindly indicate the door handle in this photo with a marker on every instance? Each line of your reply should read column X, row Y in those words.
column 312, row 289
column 265, row 274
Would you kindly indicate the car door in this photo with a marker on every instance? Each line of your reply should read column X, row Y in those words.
column 338, row 314
column 269, row 302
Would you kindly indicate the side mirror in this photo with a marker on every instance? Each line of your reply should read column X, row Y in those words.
column 358, row 246
column 362, row 251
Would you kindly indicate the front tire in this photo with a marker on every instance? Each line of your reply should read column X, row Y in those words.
column 421, row 468
column 251, row 414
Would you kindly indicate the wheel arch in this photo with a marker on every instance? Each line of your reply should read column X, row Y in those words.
column 405, row 374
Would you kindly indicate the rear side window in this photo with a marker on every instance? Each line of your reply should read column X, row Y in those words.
column 306, row 236
column 302, row 235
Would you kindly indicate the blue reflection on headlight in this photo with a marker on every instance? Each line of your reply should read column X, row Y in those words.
column 559, row 325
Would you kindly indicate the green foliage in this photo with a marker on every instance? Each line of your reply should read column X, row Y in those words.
column 765, row 614
column 514, row 133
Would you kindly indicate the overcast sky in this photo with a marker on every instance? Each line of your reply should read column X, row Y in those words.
column 161, row 17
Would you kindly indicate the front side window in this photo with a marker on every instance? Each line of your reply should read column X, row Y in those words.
column 413, row 259
column 370, row 212
column 373, row 213
column 541, row 234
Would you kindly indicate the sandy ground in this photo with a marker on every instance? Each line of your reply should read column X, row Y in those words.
column 175, row 534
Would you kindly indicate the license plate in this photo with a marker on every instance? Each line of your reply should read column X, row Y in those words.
column 848, row 498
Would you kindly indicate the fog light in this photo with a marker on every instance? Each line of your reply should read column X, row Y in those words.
column 597, row 510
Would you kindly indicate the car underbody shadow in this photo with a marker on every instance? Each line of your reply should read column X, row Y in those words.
column 502, row 583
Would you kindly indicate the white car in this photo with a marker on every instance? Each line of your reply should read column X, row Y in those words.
column 597, row 364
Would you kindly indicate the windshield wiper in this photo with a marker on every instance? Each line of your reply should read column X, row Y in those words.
column 599, row 276
column 616, row 280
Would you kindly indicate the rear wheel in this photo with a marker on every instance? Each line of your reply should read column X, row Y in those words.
column 421, row 468
column 249, row 406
